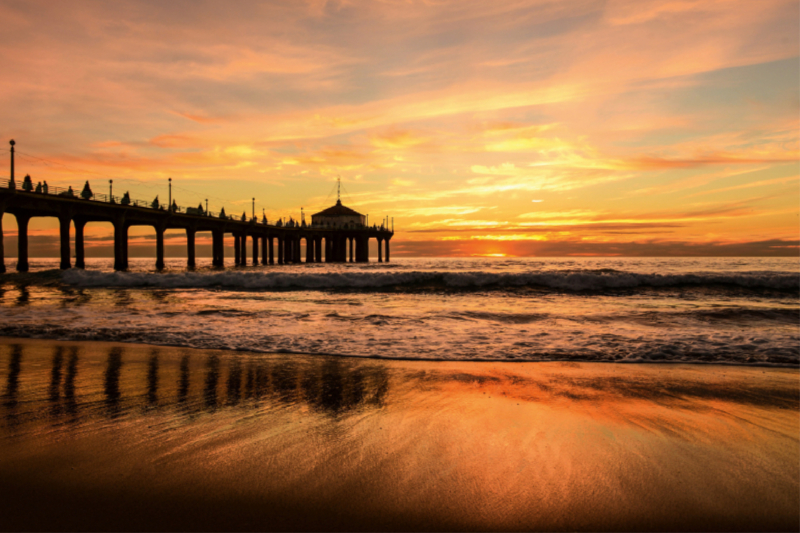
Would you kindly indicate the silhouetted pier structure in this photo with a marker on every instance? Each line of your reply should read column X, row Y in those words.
column 277, row 243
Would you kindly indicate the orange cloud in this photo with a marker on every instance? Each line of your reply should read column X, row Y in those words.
column 433, row 111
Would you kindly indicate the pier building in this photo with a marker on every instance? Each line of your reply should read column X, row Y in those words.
column 340, row 235
column 339, row 216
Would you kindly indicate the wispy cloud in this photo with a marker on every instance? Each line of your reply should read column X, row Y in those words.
column 608, row 112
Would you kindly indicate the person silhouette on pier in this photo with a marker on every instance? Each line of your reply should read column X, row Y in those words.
column 27, row 184
column 155, row 204
column 45, row 188
column 38, row 187
column 86, row 193
column 126, row 199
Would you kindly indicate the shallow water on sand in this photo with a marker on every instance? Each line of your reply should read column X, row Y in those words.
column 131, row 437
column 721, row 310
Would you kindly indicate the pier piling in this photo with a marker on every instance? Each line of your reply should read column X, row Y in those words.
column 80, row 261
column 159, row 248
column 22, row 242
column 64, row 223
column 190, row 238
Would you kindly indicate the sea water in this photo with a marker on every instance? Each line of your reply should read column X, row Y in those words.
column 698, row 310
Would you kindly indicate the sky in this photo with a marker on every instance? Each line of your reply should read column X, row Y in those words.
column 521, row 128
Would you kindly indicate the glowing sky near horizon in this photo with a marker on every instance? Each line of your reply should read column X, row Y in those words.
column 523, row 127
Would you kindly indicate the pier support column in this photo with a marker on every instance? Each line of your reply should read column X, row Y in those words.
column 309, row 250
column 328, row 258
column 271, row 247
column 243, row 244
column 120, row 244
column 2, row 248
column 125, row 246
column 352, row 244
column 255, row 250
column 80, row 255
column 190, row 256
column 318, row 249
column 159, row 249
column 218, row 248
column 280, row 250
column 22, row 242
column 380, row 250
column 287, row 250
column 214, row 253
column 296, row 250
column 264, row 253
column 387, row 250
column 64, row 223
column 237, row 257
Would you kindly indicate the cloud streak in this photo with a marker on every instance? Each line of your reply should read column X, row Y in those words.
column 444, row 110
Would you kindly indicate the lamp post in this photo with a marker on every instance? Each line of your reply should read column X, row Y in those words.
column 254, row 208
column 111, row 191
column 11, row 183
column 206, row 206
column 169, row 205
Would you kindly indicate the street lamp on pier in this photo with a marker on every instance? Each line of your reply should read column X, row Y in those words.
column 11, row 183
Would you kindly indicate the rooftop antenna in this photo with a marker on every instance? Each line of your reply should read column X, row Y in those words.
column 338, row 189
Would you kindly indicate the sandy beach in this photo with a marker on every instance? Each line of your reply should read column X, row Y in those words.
column 100, row 436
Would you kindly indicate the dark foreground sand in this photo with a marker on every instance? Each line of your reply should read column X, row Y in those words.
column 99, row 436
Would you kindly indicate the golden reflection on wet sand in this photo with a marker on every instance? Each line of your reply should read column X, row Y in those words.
column 111, row 436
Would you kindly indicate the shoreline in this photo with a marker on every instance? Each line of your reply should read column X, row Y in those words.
column 116, row 436
column 789, row 366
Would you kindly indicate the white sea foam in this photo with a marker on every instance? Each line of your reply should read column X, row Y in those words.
column 570, row 280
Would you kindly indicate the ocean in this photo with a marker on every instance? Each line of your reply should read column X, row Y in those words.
column 743, row 311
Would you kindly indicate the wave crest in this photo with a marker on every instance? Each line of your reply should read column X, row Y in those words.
column 567, row 280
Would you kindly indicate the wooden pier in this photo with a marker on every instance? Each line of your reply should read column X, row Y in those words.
column 271, row 244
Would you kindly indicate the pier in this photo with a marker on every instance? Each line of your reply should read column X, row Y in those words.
column 270, row 244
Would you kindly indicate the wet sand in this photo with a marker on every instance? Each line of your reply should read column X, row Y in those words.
column 98, row 436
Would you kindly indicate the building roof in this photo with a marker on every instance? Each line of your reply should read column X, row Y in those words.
column 338, row 210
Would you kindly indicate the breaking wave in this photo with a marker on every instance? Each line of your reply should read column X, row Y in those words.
column 562, row 280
